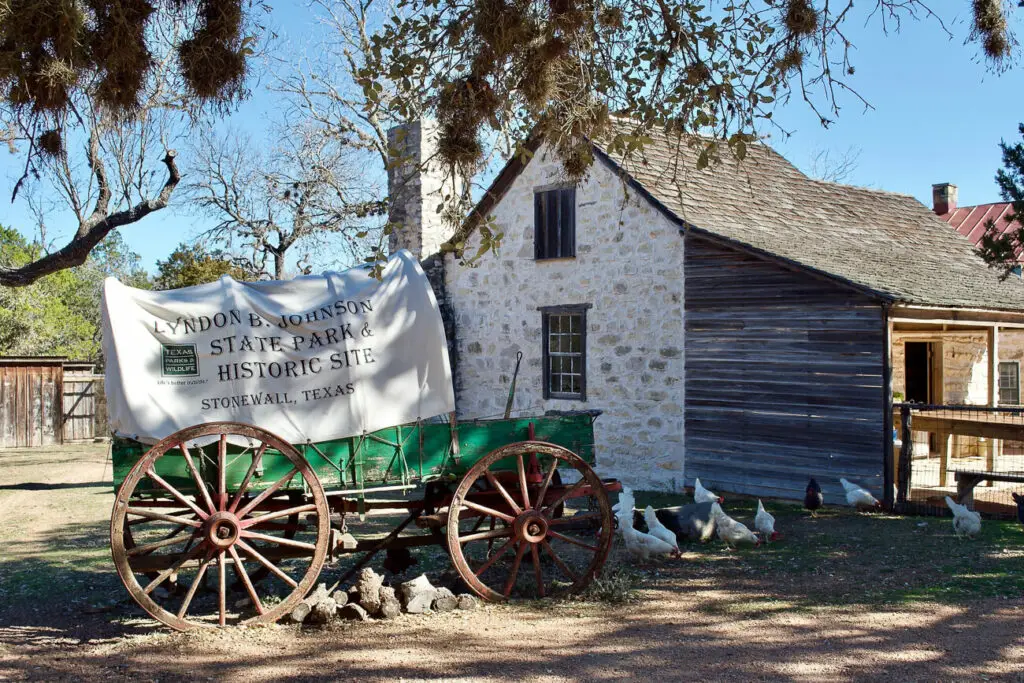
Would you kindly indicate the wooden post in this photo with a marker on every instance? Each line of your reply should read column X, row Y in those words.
column 906, row 452
column 994, row 445
column 946, row 452
column 887, row 455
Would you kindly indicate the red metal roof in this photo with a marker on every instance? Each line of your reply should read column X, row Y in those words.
column 971, row 221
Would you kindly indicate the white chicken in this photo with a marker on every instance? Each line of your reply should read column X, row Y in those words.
column 658, row 530
column 702, row 495
column 765, row 523
column 965, row 522
column 858, row 497
column 625, row 497
column 641, row 545
column 732, row 532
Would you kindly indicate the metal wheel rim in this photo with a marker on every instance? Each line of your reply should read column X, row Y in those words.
column 139, row 471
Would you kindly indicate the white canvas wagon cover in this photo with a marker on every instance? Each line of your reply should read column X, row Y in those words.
column 315, row 358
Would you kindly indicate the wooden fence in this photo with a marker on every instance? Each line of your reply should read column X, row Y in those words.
column 30, row 405
column 46, row 401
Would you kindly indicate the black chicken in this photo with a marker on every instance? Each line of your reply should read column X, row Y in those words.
column 1019, row 500
column 814, row 498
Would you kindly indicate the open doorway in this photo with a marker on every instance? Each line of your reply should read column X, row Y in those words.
column 923, row 366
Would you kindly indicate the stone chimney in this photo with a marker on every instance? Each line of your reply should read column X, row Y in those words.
column 417, row 186
column 943, row 198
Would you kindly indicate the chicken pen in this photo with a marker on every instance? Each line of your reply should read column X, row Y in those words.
column 974, row 454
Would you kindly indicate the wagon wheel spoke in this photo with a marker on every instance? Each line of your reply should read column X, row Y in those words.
column 255, row 535
column 573, row 541
column 547, row 482
column 162, row 576
column 222, row 586
column 222, row 460
column 488, row 511
column 268, row 492
column 150, row 547
column 277, row 514
column 558, row 561
column 522, row 481
column 244, row 576
column 481, row 535
column 257, row 458
column 146, row 520
column 277, row 571
column 151, row 473
column 501, row 489
column 515, row 569
column 559, row 521
column 200, row 484
column 148, row 514
column 507, row 545
column 568, row 493
column 196, row 581
column 537, row 571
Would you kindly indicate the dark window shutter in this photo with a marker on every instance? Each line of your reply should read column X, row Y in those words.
column 538, row 225
column 552, row 224
column 567, row 225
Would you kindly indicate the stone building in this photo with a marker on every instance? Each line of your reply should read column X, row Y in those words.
column 734, row 324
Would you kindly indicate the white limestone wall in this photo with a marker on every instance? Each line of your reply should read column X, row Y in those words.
column 629, row 266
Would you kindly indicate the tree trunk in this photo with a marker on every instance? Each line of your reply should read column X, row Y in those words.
column 279, row 265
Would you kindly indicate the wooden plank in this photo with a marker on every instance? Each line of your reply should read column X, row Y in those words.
column 888, row 461
column 967, row 426
column 5, row 415
column 21, row 407
column 946, row 447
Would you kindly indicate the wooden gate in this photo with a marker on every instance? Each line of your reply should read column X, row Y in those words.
column 81, row 399
column 31, row 392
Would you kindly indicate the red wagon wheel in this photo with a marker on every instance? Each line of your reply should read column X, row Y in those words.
column 194, row 532
column 566, row 551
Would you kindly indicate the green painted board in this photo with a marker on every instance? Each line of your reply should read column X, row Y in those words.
column 404, row 455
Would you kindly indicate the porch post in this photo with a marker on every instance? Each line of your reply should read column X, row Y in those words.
column 994, row 445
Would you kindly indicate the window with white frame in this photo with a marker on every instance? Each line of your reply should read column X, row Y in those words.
column 1009, row 382
column 564, row 331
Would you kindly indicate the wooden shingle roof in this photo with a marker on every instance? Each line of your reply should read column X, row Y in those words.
column 886, row 243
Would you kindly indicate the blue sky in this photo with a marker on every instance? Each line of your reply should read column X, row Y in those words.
column 938, row 116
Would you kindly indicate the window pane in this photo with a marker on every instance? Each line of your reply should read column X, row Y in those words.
column 554, row 323
column 575, row 386
column 1009, row 383
column 576, row 343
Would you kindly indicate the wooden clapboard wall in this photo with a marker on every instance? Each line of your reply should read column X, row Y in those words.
column 31, row 394
column 783, row 377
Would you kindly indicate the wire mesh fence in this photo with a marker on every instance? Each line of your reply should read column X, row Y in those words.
column 973, row 454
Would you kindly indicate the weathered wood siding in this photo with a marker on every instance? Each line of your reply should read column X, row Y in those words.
column 83, row 397
column 783, row 377
column 30, row 405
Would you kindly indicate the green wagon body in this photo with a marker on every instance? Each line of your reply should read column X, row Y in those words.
column 394, row 458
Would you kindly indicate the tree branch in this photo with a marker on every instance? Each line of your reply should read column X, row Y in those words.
column 92, row 231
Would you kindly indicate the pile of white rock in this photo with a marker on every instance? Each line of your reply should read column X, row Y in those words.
column 368, row 597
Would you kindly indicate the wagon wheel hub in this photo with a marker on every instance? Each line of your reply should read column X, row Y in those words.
column 222, row 530
column 531, row 526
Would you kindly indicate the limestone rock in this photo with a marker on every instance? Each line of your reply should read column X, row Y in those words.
column 467, row 601
column 444, row 601
column 353, row 612
column 390, row 607
column 417, row 595
column 369, row 585
column 323, row 612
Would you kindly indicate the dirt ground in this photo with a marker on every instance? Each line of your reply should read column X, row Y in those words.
column 845, row 597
